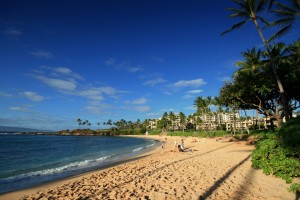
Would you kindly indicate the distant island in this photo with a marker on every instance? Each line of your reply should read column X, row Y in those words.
column 8, row 129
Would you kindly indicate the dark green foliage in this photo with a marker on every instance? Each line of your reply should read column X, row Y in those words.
column 276, row 158
column 290, row 133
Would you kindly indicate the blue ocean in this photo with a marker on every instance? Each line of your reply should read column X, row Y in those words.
column 29, row 160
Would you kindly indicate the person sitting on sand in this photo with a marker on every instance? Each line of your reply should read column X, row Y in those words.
column 180, row 149
column 182, row 144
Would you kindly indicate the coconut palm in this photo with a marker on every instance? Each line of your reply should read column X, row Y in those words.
column 251, row 64
column 182, row 120
column 288, row 16
column 250, row 10
column 172, row 118
column 79, row 121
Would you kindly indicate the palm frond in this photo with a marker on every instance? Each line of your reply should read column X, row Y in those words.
column 285, row 7
column 236, row 26
column 270, row 4
column 283, row 22
column 263, row 21
column 280, row 32
column 240, row 3
column 238, row 13
column 285, row 13
column 261, row 5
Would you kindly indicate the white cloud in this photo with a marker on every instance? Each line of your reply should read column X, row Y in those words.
column 191, row 94
column 135, row 69
column 66, row 71
column 224, row 78
column 63, row 70
column 4, row 94
column 157, row 59
column 108, row 90
column 96, row 93
column 32, row 96
column 110, row 62
column 58, row 83
column 138, row 101
column 124, row 65
column 20, row 109
column 194, row 91
column 189, row 83
column 142, row 108
column 13, row 32
column 42, row 54
column 98, row 108
column 188, row 96
column 155, row 81
column 92, row 93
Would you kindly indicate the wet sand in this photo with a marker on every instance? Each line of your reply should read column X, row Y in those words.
column 214, row 170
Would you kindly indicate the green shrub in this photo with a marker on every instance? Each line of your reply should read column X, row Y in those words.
column 290, row 133
column 273, row 158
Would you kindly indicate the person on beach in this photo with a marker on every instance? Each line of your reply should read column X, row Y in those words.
column 182, row 144
column 180, row 149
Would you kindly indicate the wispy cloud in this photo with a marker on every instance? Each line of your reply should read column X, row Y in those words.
column 64, row 71
column 96, row 93
column 142, row 108
column 155, row 81
column 13, row 32
column 157, row 59
column 19, row 109
column 4, row 94
column 110, row 62
column 138, row 101
column 42, row 54
column 194, row 91
column 191, row 94
column 188, row 83
column 224, row 78
column 135, row 69
column 32, row 96
column 124, row 65
column 58, row 84
column 97, row 108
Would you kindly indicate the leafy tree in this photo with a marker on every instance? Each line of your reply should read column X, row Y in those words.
column 251, row 90
column 250, row 10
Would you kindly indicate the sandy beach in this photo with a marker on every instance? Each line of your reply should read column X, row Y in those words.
column 213, row 170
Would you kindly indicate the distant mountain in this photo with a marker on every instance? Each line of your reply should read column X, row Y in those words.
column 19, row 129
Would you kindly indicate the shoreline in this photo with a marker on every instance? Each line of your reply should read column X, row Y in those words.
column 215, row 169
column 32, row 189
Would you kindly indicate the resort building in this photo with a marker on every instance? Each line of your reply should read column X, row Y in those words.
column 212, row 121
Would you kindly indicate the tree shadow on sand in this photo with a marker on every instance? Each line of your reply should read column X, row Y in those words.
column 221, row 180
column 146, row 174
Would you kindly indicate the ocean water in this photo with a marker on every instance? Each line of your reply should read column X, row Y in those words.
column 28, row 160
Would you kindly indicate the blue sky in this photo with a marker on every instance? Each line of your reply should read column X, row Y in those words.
column 100, row 60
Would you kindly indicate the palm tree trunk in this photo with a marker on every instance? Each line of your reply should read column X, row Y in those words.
column 279, row 83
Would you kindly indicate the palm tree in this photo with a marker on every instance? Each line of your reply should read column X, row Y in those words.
column 251, row 64
column 172, row 118
column 182, row 120
column 287, row 16
column 201, row 105
column 218, row 103
column 79, row 121
column 249, row 10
